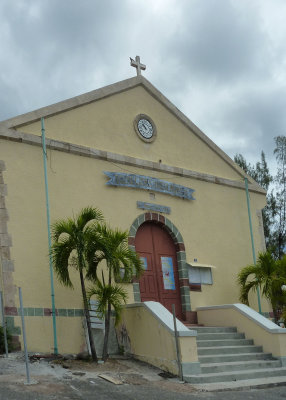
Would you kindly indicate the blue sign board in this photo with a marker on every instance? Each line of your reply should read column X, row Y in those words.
column 153, row 207
column 149, row 183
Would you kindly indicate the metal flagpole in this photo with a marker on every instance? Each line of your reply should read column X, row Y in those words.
column 251, row 235
column 49, row 236
column 24, row 336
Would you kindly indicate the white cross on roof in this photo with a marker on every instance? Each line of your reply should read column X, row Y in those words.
column 137, row 65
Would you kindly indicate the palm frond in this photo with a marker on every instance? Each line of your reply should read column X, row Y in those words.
column 250, row 271
column 62, row 227
column 268, row 274
column 113, row 245
column 87, row 215
column 61, row 253
column 128, row 263
column 267, row 263
column 93, row 252
column 244, row 291
column 114, row 295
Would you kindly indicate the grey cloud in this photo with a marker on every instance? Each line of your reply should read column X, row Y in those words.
column 221, row 40
column 55, row 48
column 215, row 59
column 249, row 125
column 261, row 115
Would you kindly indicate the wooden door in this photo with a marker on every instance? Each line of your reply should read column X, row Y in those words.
column 160, row 281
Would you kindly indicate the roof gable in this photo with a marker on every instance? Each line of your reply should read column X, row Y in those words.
column 111, row 90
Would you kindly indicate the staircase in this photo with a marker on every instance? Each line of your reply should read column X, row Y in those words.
column 226, row 356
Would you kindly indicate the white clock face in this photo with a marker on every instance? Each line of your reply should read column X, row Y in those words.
column 145, row 128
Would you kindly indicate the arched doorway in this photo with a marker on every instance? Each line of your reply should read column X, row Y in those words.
column 160, row 281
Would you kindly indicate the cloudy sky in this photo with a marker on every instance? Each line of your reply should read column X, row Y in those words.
column 221, row 62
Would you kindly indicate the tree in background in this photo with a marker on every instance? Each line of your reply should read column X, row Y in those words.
column 72, row 245
column 279, row 234
column 2, row 342
column 274, row 213
column 260, row 173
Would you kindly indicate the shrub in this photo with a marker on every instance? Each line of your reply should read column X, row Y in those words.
column 2, row 344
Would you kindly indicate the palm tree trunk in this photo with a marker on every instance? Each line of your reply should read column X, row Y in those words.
column 107, row 322
column 275, row 313
column 106, row 336
column 87, row 317
column 276, row 318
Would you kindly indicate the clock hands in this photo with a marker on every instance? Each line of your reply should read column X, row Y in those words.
column 145, row 127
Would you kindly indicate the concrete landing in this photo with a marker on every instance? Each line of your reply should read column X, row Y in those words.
column 241, row 385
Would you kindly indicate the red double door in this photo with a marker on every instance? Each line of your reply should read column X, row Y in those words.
column 160, row 281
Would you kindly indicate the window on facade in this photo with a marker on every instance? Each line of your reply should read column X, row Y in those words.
column 199, row 276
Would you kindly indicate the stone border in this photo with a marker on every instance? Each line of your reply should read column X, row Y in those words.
column 181, row 257
column 6, row 264
column 149, row 119
column 84, row 151
column 117, row 88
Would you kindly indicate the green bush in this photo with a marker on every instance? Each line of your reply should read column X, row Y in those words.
column 2, row 344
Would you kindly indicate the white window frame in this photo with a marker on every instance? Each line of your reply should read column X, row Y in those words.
column 200, row 270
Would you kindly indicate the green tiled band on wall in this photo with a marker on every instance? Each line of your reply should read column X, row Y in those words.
column 60, row 312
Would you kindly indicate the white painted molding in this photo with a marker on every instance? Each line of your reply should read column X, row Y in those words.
column 199, row 265
column 251, row 314
column 164, row 317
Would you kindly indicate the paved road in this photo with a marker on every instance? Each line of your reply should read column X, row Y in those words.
column 102, row 390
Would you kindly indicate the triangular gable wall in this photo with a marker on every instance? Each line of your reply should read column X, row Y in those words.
column 18, row 123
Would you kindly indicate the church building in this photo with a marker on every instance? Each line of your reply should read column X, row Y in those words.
column 127, row 150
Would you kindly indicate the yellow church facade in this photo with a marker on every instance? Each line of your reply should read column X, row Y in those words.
column 129, row 151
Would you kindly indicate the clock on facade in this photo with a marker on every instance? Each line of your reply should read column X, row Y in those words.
column 145, row 128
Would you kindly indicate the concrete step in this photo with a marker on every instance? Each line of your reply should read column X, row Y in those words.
column 226, row 356
column 235, row 375
column 225, row 342
column 239, row 366
column 234, row 357
column 213, row 329
column 220, row 336
column 219, row 350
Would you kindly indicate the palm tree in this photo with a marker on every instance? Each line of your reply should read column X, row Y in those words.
column 108, row 296
column 122, row 265
column 269, row 275
column 72, row 239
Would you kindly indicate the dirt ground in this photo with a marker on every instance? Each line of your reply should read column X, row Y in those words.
column 69, row 379
column 50, row 376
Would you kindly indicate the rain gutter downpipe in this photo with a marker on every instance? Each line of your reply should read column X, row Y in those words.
column 49, row 236
column 252, row 241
